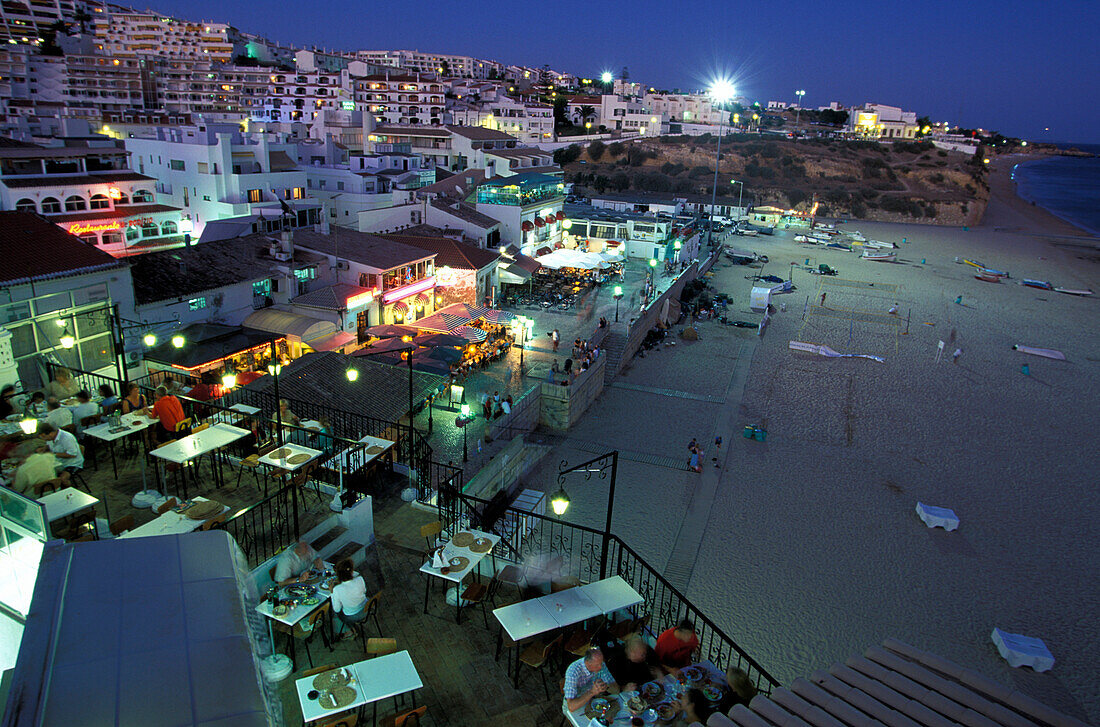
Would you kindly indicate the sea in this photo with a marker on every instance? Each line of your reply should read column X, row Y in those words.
column 1068, row 187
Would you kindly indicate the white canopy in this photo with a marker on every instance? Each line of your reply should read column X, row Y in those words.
column 566, row 258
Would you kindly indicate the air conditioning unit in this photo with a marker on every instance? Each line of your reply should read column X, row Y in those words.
column 341, row 265
column 281, row 255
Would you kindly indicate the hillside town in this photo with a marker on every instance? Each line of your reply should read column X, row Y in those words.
column 293, row 334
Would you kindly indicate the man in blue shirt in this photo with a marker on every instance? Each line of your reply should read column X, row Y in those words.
column 586, row 678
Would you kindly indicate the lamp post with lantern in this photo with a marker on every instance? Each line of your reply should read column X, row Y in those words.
column 559, row 501
column 721, row 92
column 618, row 296
column 523, row 327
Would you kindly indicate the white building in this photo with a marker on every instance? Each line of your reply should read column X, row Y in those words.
column 27, row 22
column 527, row 121
column 451, row 147
column 214, row 172
column 529, row 208
column 302, row 96
column 687, row 108
column 87, row 188
column 440, row 64
column 397, row 98
column 126, row 33
column 878, row 121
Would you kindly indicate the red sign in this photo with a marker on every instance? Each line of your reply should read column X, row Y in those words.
column 79, row 228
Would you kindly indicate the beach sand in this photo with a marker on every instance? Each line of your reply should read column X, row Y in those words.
column 812, row 550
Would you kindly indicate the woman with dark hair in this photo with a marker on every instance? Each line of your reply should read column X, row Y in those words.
column 7, row 408
column 133, row 400
column 696, row 707
column 741, row 689
column 349, row 597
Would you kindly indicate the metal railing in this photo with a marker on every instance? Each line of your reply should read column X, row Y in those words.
column 264, row 529
column 549, row 548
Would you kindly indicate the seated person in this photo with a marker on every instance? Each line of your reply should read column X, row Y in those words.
column 586, row 678
column 56, row 414
column 676, row 646
column 62, row 386
column 85, row 408
column 287, row 416
column 169, row 411
column 636, row 665
column 696, row 707
column 349, row 597
column 39, row 467
column 740, row 691
column 110, row 401
column 64, row 446
column 36, row 405
column 294, row 563
column 133, row 400
column 7, row 406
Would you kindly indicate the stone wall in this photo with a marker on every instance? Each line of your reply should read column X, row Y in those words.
column 523, row 418
column 501, row 472
column 562, row 406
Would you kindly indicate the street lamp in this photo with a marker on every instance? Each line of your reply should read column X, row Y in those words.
column 229, row 380
column 721, row 92
column 652, row 277
column 352, row 374
column 559, row 501
column 523, row 326
column 740, row 191
column 465, row 409
column 618, row 296
column 149, row 339
column 798, row 114
column 68, row 340
column 178, row 341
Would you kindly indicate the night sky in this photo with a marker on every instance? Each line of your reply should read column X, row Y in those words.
column 1016, row 66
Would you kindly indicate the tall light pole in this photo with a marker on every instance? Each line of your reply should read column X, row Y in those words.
column 740, row 191
column 618, row 296
column 465, row 411
column 798, row 114
column 607, row 78
column 599, row 466
column 721, row 92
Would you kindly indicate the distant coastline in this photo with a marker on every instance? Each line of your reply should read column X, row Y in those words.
column 1062, row 185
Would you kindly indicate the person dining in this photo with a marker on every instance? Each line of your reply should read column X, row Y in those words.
column 741, row 690
column 349, row 597
column 676, row 646
column 635, row 665
column 586, row 678
column 37, row 468
column 133, row 400
column 7, row 406
column 36, row 405
column 62, row 386
column 285, row 414
column 57, row 415
column 295, row 563
column 109, row 401
column 169, row 411
column 64, row 446
column 85, row 408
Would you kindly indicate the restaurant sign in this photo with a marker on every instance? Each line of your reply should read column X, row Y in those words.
column 80, row 228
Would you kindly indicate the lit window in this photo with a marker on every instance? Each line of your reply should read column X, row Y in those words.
column 196, row 304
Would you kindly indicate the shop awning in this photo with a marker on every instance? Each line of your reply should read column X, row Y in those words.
column 561, row 215
column 400, row 307
column 513, row 274
column 333, row 342
column 207, row 345
column 292, row 325
column 539, row 222
column 527, row 226
column 441, row 322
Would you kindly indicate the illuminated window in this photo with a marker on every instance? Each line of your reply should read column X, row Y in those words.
column 196, row 304
column 255, row 195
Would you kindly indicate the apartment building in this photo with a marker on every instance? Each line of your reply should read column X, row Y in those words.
column 25, row 21
column 529, row 208
column 126, row 33
column 434, row 63
column 87, row 188
column 302, row 95
column 529, row 122
column 687, row 108
column 396, row 98
column 878, row 121
column 214, row 172
column 451, row 147
column 219, row 91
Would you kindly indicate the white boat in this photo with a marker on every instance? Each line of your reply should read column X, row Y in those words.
column 1073, row 291
column 804, row 238
column 882, row 257
column 820, row 237
column 879, row 244
column 856, row 236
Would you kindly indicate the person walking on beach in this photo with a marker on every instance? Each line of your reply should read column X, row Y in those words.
column 955, row 356
column 717, row 450
column 822, row 300
column 556, row 338
column 694, row 463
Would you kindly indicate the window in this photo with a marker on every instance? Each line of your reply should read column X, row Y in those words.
column 340, row 185
column 51, row 205
column 176, row 165
column 196, row 304
column 26, row 205
column 150, row 229
column 203, row 167
column 298, row 193
column 90, row 238
column 122, row 199
column 255, row 195
column 75, row 204
column 262, row 287
column 132, row 233
column 305, row 273
column 142, row 196
column 100, row 202
column 112, row 238
column 169, row 228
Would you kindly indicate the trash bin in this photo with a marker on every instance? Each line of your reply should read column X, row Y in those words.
column 760, row 435
column 748, row 433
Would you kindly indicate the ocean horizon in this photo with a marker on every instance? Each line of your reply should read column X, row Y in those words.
column 1067, row 187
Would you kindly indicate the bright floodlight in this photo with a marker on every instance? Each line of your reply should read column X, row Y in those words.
column 560, row 502
column 29, row 425
column 352, row 374
column 229, row 380
column 150, row 339
column 721, row 91
column 178, row 341
column 607, row 77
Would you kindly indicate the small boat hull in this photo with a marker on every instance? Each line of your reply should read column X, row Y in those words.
column 881, row 257
column 1072, row 291
column 879, row 244
column 988, row 278
column 1040, row 284
column 975, row 264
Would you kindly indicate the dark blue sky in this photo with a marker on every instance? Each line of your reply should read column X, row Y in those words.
column 1015, row 65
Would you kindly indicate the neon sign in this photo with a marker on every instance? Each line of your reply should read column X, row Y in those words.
column 406, row 291
column 114, row 193
column 359, row 299
column 80, row 229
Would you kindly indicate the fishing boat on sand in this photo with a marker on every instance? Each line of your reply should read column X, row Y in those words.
column 879, row 244
column 974, row 263
column 988, row 276
column 1040, row 284
column 805, row 239
column 882, row 257
column 1073, row 291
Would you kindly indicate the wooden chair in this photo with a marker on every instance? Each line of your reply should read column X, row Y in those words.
column 536, row 657
column 300, row 480
column 479, row 594
column 429, row 533
column 317, row 670
column 408, row 719
column 183, row 424
column 371, row 610
column 251, row 464
column 199, row 428
column 77, row 478
column 82, row 526
column 214, row 522
column 168, row 505
column 316, row 621
column 345, row 720
column 580, row 639
column 512, row 575
column 380, row 647
column 118, row 527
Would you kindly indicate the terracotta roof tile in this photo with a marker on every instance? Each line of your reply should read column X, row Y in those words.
column 449, row 252
column 33, row 248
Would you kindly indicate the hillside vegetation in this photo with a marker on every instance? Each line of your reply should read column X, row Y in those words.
column 898, row 181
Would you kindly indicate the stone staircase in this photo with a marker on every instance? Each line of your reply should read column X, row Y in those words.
column 613, row 346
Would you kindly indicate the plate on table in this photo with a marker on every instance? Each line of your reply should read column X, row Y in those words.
column 635, row 705
column 338, row 698
column 280, row 610
column 462, row 539
column 300, row 590
column 712, row 693
column 203, row 510
column 311, row 601
column 602, row 707
column 458, row 563
column 649, row 716
column 667, row 711
column 373, row 449
column 331, row 679
column 692, row 675
column 651, row 691
column 481, row 545
column 279, row 453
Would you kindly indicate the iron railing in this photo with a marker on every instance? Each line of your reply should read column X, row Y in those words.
column 266, row 528
column 548, row 549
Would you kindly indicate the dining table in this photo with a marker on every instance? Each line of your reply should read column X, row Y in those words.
column 462, row 558
column 372, row 680
column 66, row 502
column 172, row 522
column 129, row 424
column 297, row 611
column 667, row 690
column 193, row 446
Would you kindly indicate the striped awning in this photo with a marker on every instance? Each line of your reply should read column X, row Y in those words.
column 497, row 316
column 441, row 322
column 421, row 300
column 400, row 307
column 472, row 334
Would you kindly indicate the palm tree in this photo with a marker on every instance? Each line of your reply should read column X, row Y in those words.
column 587, row 113
column 81, row 16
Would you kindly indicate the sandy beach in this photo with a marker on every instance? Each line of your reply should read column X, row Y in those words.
column 809, row 548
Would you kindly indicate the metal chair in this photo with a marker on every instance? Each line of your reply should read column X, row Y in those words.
column 429, row 533
column 536, row 657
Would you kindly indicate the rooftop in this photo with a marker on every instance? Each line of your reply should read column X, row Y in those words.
column 68, row 180
column 366, row 249
column 480, row 133
column 455, row 185
column 465, row 212
column 186, row 271
column 452, row 253
column 116, row 213
column 330, row 297
column 523, row 179
column 34, row 248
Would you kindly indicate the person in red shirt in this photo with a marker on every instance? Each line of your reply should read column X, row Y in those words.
column 169, row 411
column 676, row 646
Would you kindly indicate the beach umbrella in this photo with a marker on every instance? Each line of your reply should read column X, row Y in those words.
column 431, row 366
column 440, row 339
column 443, row 353
column 470, row 333
column 391, row 331
column 442, row 322
column 247, row 377
column 384, row 346
column 497, row 316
